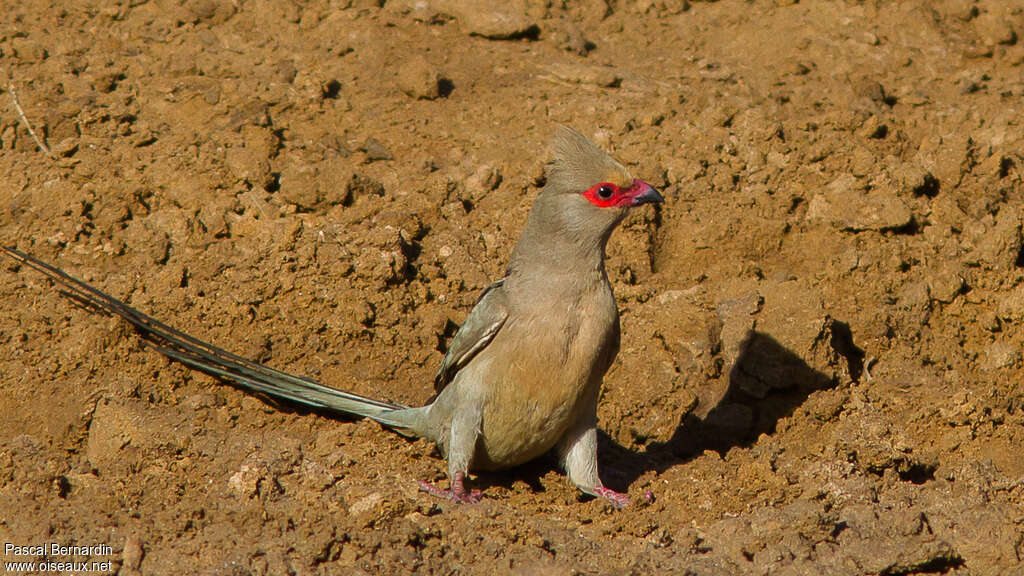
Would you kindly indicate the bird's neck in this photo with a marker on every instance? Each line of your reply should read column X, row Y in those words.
column 554, row 256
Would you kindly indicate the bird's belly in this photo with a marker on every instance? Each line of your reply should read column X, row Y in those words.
column 518, row 428
column 546, row 370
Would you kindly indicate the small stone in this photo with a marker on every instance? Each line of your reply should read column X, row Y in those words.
column 1000, row 355
column 366, row 503
column 912, row 178
column 375, row 150
column 915, row 296
column 586, row 74
column 66, row 147
column 849, row 260
column 419, row 10
column 132, row 553
column 245, row 481
column 210, row 10
column 737, row 317
column 873, row 128
column 485, row 179
column 495, row 20
column 669, row 296
column 248, row 165
column 993, row 28
column 571, row 39
column 989, row 321
column 1011, row 306
column 419, row 80
column 1000, row 246
column 845, row 204
column 945, row 285
column 298, row 183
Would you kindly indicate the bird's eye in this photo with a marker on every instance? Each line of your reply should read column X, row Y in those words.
column 605, row 192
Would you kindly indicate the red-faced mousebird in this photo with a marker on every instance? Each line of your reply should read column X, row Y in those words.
column 522, row 375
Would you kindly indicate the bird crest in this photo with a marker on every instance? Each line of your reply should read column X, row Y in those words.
column 577, row 163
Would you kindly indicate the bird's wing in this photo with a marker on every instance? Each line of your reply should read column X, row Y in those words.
column 484, row 321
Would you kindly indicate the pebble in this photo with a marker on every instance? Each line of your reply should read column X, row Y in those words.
column 1011, row 305
column 245, row 481
column 945, row 285
column 992, row 28
column 494, row 20
column 375, row 150
column 586, row 74
column 846, row 205
column 483, row 180
column 132, row 553
column 419, row 80
column 1000, row 355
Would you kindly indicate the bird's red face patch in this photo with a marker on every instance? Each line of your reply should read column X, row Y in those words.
column 610, row 195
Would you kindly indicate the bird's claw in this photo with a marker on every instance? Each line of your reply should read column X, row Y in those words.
column 616, row 499
column 458, row 492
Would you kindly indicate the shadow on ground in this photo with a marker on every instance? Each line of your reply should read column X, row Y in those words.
column 766, row 383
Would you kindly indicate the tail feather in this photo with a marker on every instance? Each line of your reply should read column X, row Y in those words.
column 213, row 360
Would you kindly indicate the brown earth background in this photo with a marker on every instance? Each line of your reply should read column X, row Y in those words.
column 822, row 326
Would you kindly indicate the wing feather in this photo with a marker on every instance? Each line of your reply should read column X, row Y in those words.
column 482, row 324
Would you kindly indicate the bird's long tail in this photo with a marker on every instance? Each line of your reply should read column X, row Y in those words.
column 212, row 360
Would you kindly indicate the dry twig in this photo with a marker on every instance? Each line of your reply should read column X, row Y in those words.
column 24, row 120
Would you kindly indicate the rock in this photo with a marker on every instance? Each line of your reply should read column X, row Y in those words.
column 418, row 79
column 946, row 284
column 947, row 157
column 132, row 553
column 210, row 11
column 661, row 7
column 913, row 179
column 1011, row 306
column 491, row 19
column 366, row 503
column 483, row 180
column 571, row 39
column 375, row 151
column 915, row 296
column 845, row 204
column 737, row 320
column 1000, row 355
column 797, row 344
column 999, row 246
column 594, row 75
column 66, row 147
column 298, row 183
column 419, row 10
column 382, row 259
column 994, row 28
column 329, row 183
column 248, row 165
column 245, row 481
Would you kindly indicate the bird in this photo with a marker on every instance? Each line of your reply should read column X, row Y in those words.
column 523, row 374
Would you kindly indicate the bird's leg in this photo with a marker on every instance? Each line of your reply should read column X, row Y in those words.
column 458, row 492
column 462, row 441
column 578, row 449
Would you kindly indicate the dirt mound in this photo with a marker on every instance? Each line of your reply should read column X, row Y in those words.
column 821, row 358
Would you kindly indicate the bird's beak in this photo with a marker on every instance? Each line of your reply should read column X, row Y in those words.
column 643, row 193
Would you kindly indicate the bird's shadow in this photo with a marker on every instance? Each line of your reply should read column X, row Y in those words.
column 766, row 383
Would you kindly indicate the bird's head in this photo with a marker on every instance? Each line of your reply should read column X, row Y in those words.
column 587, row 192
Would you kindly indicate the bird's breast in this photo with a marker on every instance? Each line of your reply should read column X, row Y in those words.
column 542, row 364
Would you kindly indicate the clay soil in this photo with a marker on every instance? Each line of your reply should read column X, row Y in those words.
column 822, row 326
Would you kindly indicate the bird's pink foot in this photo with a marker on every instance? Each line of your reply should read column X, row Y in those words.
column 458, row 493
column 617, row 499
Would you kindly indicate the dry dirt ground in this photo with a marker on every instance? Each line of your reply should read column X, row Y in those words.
column 821, row 363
